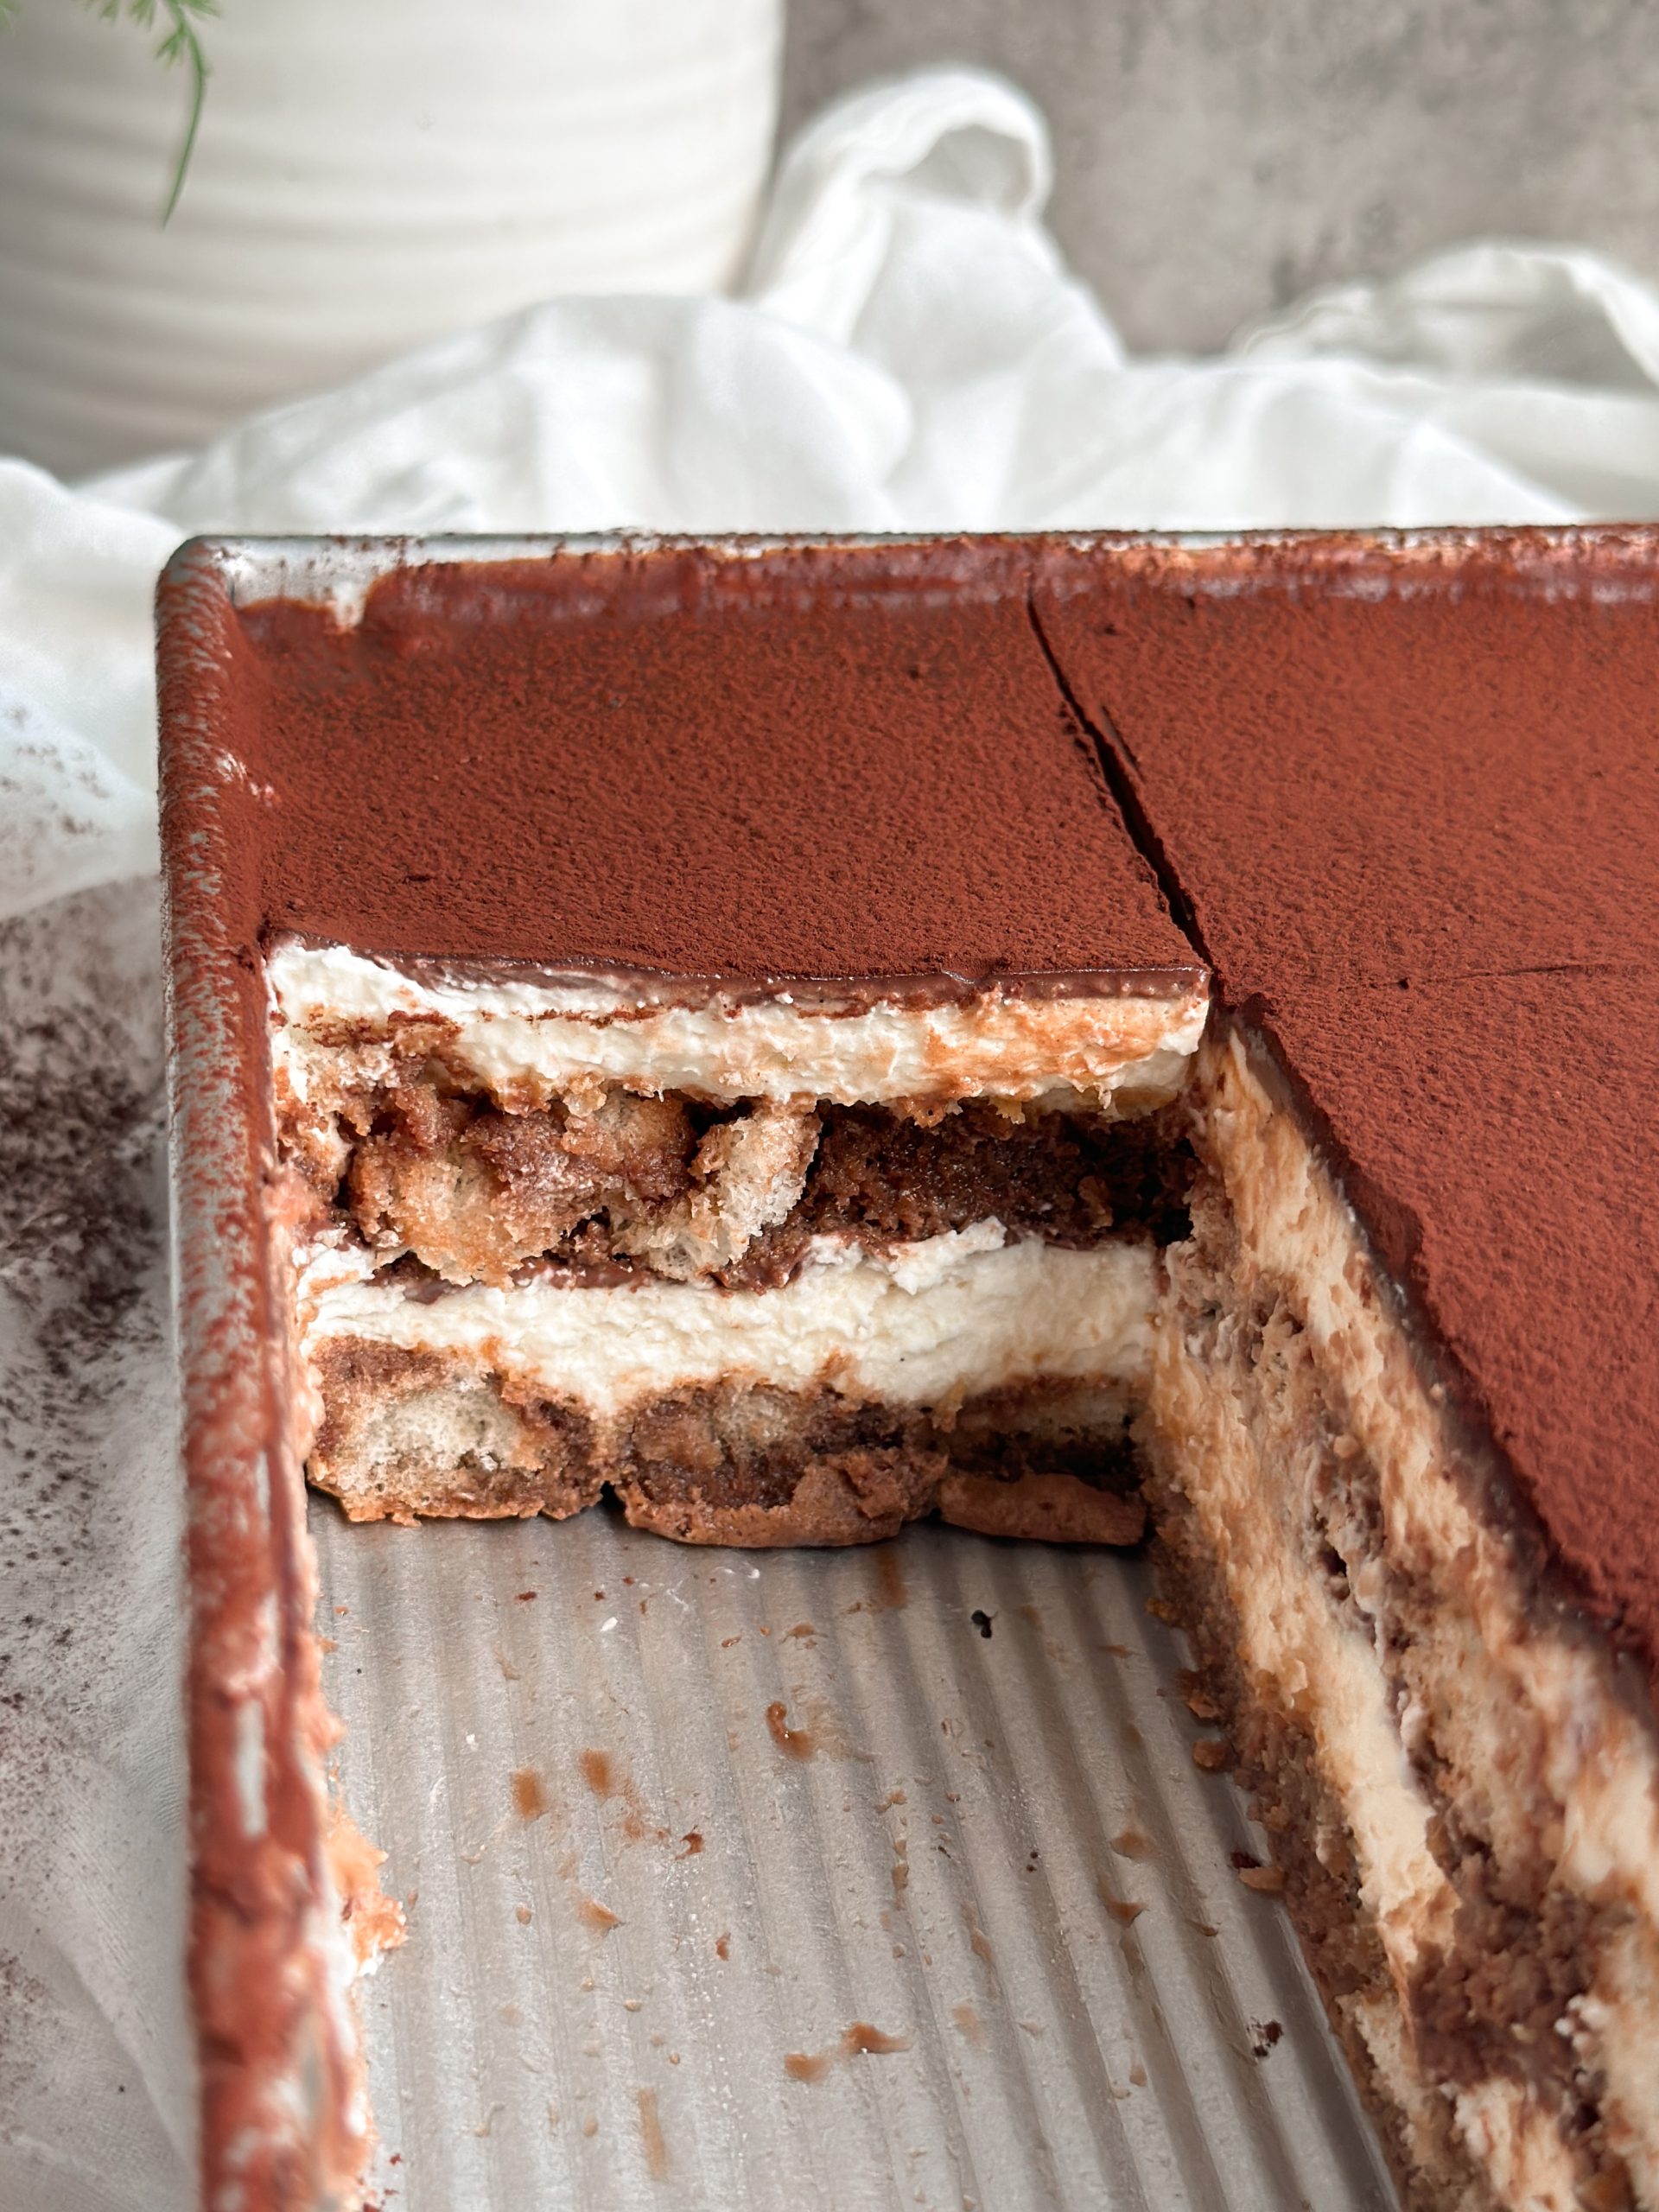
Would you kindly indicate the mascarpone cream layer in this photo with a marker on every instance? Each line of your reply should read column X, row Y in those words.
column 547, row 1038
column 956, row 1316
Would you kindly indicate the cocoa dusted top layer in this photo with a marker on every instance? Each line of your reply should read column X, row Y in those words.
column 1404, row 796
column 851, row 765
column 1408, row 799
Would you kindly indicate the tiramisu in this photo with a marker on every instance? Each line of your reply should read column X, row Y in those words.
column 811, row 1037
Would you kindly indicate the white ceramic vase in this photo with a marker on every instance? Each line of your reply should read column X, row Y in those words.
column 369, row 173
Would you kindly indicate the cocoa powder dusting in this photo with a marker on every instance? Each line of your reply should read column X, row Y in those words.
column 655, row 2144
column 862, row 2041
column 530, row 1799
column 594, row 1768
column 1412, row 815
column 92, row 1605
column 892, row 1591
column 812, row 705
column 610, row 1782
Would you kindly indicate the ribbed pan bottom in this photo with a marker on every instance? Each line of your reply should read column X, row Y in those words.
column 858, row 1880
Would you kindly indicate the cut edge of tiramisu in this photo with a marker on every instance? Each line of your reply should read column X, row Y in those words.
column 1461, row 1791
column 791, row 1263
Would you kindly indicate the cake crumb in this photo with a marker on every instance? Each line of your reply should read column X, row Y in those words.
column 1124, row 1911
column 1193, row 1694
column 793, row 1743
column 1267, row 1881
column 374, row 1922
column 861, row 2040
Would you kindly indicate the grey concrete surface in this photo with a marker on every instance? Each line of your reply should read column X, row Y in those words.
column 1216, row 157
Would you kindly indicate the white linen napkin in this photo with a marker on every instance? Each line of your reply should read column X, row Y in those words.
column 909, row 352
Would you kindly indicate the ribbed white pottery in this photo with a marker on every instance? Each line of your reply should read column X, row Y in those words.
column 369, row 173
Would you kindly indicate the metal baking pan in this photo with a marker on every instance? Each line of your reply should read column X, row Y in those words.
column 852, row 1880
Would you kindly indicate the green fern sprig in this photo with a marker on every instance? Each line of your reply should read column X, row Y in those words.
column 180, row 41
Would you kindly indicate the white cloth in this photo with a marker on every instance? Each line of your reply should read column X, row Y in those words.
column 909, row 354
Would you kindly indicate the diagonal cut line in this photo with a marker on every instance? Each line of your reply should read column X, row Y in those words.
column 1116, row 766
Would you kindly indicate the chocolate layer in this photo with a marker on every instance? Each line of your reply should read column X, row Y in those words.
column 1070, row 1179
column 1408, row 798
column 640, row 992
column 841, row 764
